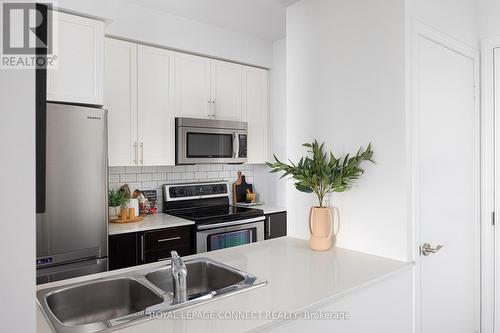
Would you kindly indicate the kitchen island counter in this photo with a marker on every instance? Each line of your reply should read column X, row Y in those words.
column 299, row 280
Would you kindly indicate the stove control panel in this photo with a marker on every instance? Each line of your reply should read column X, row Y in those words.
column 187, row 191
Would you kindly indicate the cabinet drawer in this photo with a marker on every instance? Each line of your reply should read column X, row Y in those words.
column 164, row 254
column 166, row 239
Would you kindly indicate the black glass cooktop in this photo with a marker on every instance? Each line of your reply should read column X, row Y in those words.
column 216, row 214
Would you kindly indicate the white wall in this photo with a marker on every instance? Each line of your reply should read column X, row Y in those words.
column 457, row 18
column 270, row 188
column 130, row 21
column 17, row 176
column 489, row 18
column 345, row 81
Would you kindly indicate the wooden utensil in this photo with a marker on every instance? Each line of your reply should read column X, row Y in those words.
column 236, row 183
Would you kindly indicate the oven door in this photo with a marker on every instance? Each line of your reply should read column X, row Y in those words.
column 210, row 145
column 228, row 234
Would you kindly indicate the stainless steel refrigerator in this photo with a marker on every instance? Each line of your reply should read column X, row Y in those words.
column 72, row 225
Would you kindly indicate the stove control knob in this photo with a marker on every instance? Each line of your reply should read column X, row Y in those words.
column 215, row 189
column 222, row 189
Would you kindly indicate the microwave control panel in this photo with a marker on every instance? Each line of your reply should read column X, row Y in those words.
column 242, row 152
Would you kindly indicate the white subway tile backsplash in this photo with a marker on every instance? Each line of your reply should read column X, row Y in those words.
column 212, row 174
column 174, row 176
column 112, row 178
column 149, row 169
column 149, row 185
column 144, row 177
column 191, row 168
column 200, row 175
column 179, row 168
column 204, row 167
column 187, row 175
column 216, row 167
column 164, row 169
column 151, row 177
column 133, row 169
column 126, row 178
column 159, row 176
column 116, row 170
column 224, row 174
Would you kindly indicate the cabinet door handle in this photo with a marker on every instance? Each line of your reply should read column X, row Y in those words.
column 214, row 107
column 268, row 227
column 142, row 248
column 142, row 152
column 136, row 153
column 163, row 259
column 168, row 239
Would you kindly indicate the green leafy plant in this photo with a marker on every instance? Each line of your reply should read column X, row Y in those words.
column 117, row 198
column 323, row 173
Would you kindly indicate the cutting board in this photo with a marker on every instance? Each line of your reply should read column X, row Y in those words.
column 241, row 190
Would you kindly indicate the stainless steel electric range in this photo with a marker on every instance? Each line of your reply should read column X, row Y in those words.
column 218, row 224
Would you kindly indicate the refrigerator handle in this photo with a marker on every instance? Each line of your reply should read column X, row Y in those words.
column 41, row 115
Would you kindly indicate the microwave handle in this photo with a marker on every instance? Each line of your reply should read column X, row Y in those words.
column 236, row 145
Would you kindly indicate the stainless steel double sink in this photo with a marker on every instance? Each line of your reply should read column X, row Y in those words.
column 121, row 300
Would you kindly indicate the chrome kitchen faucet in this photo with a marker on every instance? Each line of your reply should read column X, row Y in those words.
column 179, row 274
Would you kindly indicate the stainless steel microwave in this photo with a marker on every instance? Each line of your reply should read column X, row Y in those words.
column 203, row 141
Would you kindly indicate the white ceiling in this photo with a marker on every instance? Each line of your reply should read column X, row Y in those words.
column 263, row 18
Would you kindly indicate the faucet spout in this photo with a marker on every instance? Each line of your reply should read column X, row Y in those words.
column 179, row 274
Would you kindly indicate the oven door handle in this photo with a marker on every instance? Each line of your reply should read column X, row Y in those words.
column 231, row 223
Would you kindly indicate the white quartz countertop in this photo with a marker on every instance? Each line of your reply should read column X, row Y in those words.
column 268, row 209
column 298, row 279
column 150, row 222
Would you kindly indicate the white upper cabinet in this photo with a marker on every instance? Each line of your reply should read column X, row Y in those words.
column 156, row 124
column 226, row 90
column 256, row 112
column 206, row 88
column 120, row 99
column 77, row 76
column 192, row 86
column 147, row 87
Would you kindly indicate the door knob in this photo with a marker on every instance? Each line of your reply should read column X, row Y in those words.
column 426, row 249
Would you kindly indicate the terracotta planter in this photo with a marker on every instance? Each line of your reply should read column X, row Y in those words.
column 321, row 228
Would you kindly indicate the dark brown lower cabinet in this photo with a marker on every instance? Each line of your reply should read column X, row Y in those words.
column 123, row 250
column 126, row 250
column 275, row 225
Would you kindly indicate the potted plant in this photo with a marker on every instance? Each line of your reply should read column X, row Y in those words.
column 116, row 200
column 322, row 174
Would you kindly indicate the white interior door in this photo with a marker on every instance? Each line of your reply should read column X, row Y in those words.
column 156, row 117
column 496, row 103
column 120, row 99
column 192, row 86
column 226, row 90
column 446, row 171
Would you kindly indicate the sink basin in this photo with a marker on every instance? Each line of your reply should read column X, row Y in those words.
column 108, row 304
column 95, row 304
column 204, row 277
